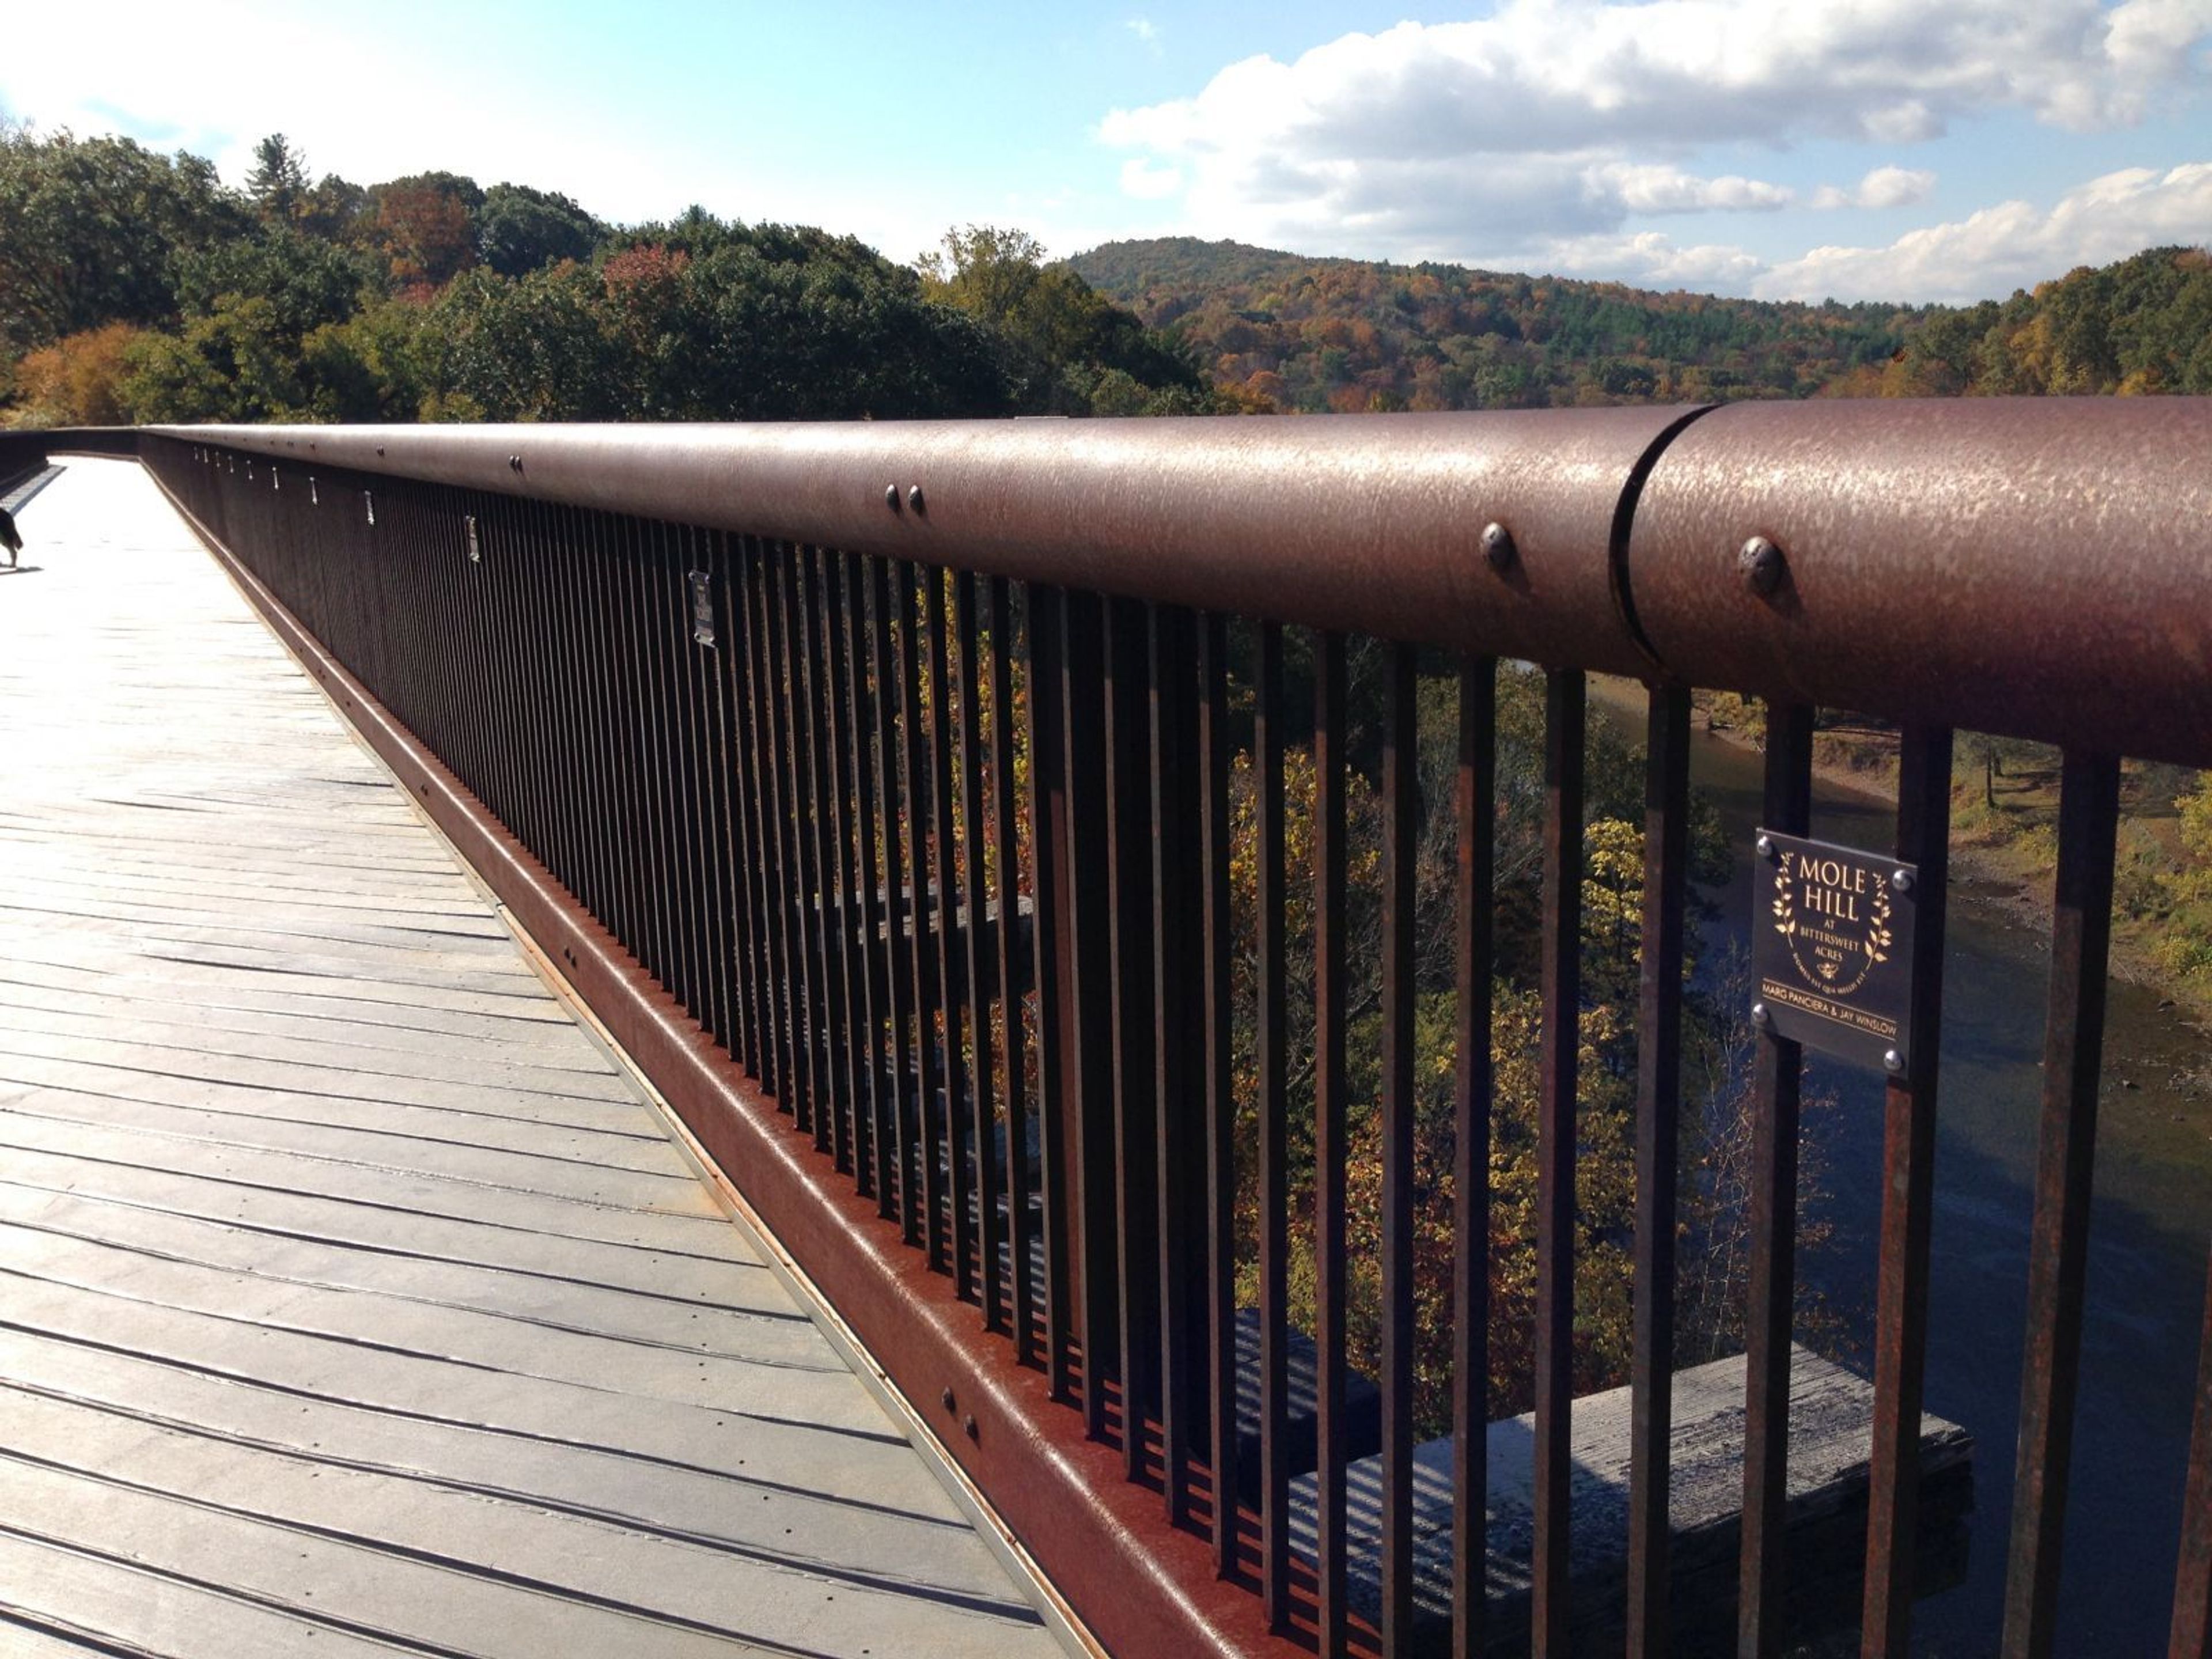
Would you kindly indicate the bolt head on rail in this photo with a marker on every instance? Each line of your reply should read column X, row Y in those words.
column 1497, row 547
column 1761, row 562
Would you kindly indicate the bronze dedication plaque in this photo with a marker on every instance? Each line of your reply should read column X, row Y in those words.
column 1831, row 949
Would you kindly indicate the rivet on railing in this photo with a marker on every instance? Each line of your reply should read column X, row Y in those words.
column 514, row 463
column 1762, row 564
column 913, row 498
column 891, row 497
column 1497, row 547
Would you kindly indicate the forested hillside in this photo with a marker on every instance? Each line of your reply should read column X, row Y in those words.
column 1280, row 331
column 136, row 286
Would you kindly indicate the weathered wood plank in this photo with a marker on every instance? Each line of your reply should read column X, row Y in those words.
column 351, row 1299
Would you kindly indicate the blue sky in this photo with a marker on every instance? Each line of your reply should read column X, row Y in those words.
column 1904, row 149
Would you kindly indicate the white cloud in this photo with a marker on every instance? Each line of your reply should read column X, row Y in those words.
column 1565, row 118
column 1644, row 187
column 1651, row 259
column 1884, row 187
column 2012, row 245
column 1148, row 182
column 1147, row 31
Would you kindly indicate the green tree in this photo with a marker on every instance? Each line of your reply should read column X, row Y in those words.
column 519, row 229
column 89, row 229
column 278, row 185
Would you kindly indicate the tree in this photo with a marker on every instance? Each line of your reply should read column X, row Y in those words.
column 278, row 185
column 518, row 229
column 423, row 233
column 89, row 229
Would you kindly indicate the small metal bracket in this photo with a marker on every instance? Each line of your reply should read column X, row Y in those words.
column 314, row 496
column 703, row 609
column 476, row 546
column 368, row 501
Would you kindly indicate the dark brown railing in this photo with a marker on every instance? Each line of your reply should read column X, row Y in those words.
column 874, row 784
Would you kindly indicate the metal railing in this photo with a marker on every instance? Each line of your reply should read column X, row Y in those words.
column 876, row 784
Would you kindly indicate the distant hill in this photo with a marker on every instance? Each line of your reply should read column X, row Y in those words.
column 1283, row 330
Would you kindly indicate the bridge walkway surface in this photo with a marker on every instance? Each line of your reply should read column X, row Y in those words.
column 353, row 1298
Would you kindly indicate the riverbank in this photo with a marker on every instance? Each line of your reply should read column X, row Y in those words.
column 2004, row 831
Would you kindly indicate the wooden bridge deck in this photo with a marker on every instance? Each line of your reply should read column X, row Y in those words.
column 351, row 1299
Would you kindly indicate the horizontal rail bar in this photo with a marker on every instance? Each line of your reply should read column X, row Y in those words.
column 2031, row 566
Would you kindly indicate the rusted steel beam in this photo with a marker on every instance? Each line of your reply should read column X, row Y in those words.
column 2021, row 565
column 1373, row 525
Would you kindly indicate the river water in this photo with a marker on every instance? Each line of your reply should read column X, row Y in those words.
column 2152, row 1219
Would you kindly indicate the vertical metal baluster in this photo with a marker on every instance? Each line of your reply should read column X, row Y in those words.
column 818, row 782
column 781, row 897
column 945, row 1109
column 713, row 805
column 1006, row 868
column 716, row 756
column 1769, row 1319
column 2191, row 1634
column 805, row 922
column 1658, row 1140
column 1475, row 803
column 1270, row 916
column 840, row 893
column 737, row 763
column 628, row 726
column 1219, row 1012
column 1089, row 995
column 1179, row 1121
column 922, row 1110
column 669, row 915
column 861, row 691
column 1401, row 800
column 673, row 611
column 1923, row 837
column 1331, row 1447
column 976, row 1117
column 1049, row 948
column 768, row 1023
column 1129, row 889
column 1565, row 693
column 2073, row 1056
column 901, row 953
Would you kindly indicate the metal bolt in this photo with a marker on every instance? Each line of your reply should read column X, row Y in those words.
column 513, row 462
column 380, row 449
column 890, row 497
column 914, row 497
column 968, row 1426
column 1762, row 565
column 1901, row 880
column 1759, row 1017
column 1497, row 547
column 947, row 1397
column 1893, row 1061
column 1766, row 845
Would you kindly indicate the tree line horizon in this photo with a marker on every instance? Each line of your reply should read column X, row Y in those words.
column 138, row 286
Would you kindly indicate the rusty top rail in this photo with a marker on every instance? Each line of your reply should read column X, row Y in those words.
column 2037, row 568
column 1375, row 525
